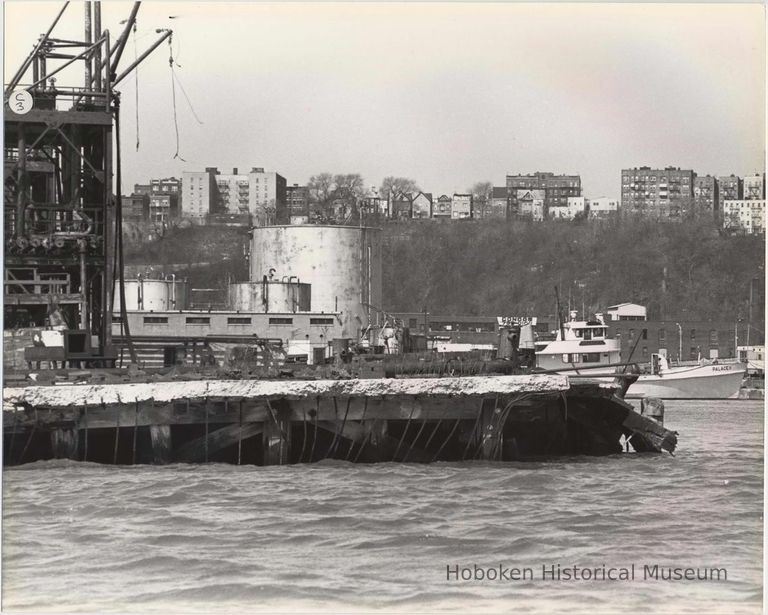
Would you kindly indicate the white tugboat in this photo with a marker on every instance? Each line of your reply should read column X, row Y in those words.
column 581, row 347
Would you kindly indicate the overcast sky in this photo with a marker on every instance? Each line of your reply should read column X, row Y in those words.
column 445, row 93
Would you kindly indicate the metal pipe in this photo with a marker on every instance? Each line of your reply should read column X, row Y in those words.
column 21, row 184
column 66, row 64
column 107, row 76
column 97, row 55
column 25, row 65
column 123, row 38
column 83, row 289
column 141, row 58
column 88, row 39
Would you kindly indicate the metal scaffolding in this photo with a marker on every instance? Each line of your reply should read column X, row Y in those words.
column 62, row 210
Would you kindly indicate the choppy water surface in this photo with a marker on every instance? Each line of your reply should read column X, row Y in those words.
column 330, row 536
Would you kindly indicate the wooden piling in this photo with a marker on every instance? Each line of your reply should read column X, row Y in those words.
column 489, row 431
column 304, row 436
column 117, row 437
column 10, row 444
column 473, row 436
column 405, row 431
column 207, row 409
column 416, row 439
column 362, row 419
column 329, row 450
column 85, row 434
column 198, row 449
column 240, row 434
column 277, row 434
column 369, row 430
column 314, row 435
column 135, row 432
column 26, row 445
column 450, row 435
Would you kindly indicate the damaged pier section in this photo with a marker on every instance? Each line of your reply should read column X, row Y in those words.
column 271, row 422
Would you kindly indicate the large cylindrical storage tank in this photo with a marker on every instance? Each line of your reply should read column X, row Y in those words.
column 147, row 294
column 270, row 296
column 342, row 263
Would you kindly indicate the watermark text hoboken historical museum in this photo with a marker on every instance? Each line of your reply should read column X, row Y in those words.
column 574, row 572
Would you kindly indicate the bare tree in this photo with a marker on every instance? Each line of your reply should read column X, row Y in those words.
column 398, row 185
column 349, row 186
column 481, row 197
column 320, row 188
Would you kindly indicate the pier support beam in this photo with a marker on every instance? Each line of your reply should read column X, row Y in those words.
column 64, row 443
column 161, row 443
column 489, row 430
column 277, row 434
column 202, row 448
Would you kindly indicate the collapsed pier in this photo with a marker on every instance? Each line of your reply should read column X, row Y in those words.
column 274, row 422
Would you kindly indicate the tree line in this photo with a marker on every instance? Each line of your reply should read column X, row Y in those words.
column 678, row 270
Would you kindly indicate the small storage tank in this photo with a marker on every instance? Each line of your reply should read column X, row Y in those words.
column 147, row 294
column 342, row 263
column 270, row 296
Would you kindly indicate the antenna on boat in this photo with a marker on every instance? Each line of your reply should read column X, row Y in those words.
column 559, row 317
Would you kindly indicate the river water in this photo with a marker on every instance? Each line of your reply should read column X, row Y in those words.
column 336, row 536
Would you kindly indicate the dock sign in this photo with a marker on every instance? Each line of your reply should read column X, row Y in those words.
column 21, row 102
column 506, row 321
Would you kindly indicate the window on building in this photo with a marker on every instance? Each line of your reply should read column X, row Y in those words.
column 662, row 336
column 645, row 334
column 321, row 321
column 645, row 352
column 238, row 320
column 590, row 357
column 155, row 320
column 631, row 334
column 713, row 336
column 281, row 321
column 693, row 335
column 198, row 320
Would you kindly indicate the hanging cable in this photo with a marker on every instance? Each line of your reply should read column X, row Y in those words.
column 136, row 76
column 183, row 91
column 119, row 262
column 173, row 94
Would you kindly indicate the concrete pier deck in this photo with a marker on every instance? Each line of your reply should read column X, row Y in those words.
column 297, row 421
